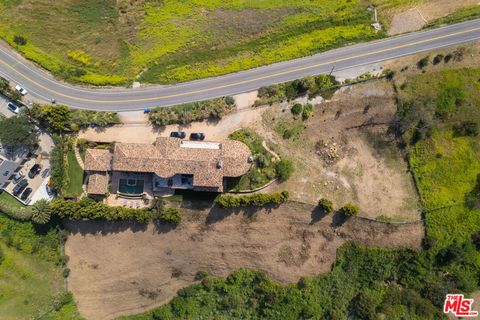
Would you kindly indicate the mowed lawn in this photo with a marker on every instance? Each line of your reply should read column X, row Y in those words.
column 10, row 200
column 112, row 42
column 75, row 176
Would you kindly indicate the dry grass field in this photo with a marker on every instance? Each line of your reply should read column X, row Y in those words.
column 119, row 269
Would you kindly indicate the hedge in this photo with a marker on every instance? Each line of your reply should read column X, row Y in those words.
column 89, row 209
column 257, row 199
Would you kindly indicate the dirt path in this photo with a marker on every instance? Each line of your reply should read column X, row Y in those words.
column 119, row 268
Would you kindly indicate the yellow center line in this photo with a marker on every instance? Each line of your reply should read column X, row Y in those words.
column 243, row 81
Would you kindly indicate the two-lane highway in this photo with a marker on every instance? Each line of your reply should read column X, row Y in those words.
column 43, row 87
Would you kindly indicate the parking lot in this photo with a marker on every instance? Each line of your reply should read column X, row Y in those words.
column 37, row 183
column 3, row 107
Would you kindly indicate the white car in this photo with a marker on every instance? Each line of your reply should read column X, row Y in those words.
column 13, row 107
column 22, row 91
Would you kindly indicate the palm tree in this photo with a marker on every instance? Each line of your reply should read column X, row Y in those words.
column 41, row 212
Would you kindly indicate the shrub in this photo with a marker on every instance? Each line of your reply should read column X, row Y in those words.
column 438, row 58
column 284, row 169
column 200, row 275
column 307, row 111
column 297, row 108
column 257, row 199
column 325, row 205
column 422, row 63
column 466, row 129
column 66, row 272
column 171, row 215
column 19, row 40
column 230, row 100
column 350, row 210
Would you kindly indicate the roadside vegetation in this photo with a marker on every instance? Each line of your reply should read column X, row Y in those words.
column 60, row 118
column 111, row 43
column 212, row 110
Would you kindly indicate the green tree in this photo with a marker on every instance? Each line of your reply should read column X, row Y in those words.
column 363, row 307
column 41, row 212
column 350, row 210
column 284, row 169
column 325, row 205
column 18, row 131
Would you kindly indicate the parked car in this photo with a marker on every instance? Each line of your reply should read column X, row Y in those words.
column 197, row 136
column 19, row 176
column 49, row 190
column 13, row 107
column 6, row 173
column 20, row 89
column 34, row 171
column 46, row 173
column 26, row 194
column 178, row 134
column 20, row 187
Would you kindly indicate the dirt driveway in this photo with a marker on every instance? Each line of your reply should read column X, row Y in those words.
column 119, row 268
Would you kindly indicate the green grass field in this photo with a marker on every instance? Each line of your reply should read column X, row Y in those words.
column 113, row 42
column 75, row 176
column 31, row 282
column 10, row 200
column 445, row 162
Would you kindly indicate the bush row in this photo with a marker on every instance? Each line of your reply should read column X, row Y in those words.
column 61, row 118
column 89, row 209
column 322, row 84
column 189, row 112
column 257, row 199
column 349, row 209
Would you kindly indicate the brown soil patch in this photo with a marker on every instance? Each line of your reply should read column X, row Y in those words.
column 347, row 153
column 122, row 268
column 414, row 18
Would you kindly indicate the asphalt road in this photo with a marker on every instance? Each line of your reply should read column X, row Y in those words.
column 42, row 87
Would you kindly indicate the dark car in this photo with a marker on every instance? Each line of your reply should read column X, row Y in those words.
column 197, row 136
column 46, row 173
column 34, row 171
column 178, row 134
column 26, row 194
column 20, row 187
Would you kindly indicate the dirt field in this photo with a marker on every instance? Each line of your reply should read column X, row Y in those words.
column 346, row 153
column 414, row 18
column 119, row 269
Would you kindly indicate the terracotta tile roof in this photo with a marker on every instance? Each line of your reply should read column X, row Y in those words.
column 208, row 162
column 97, row 183
column 98, row 160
